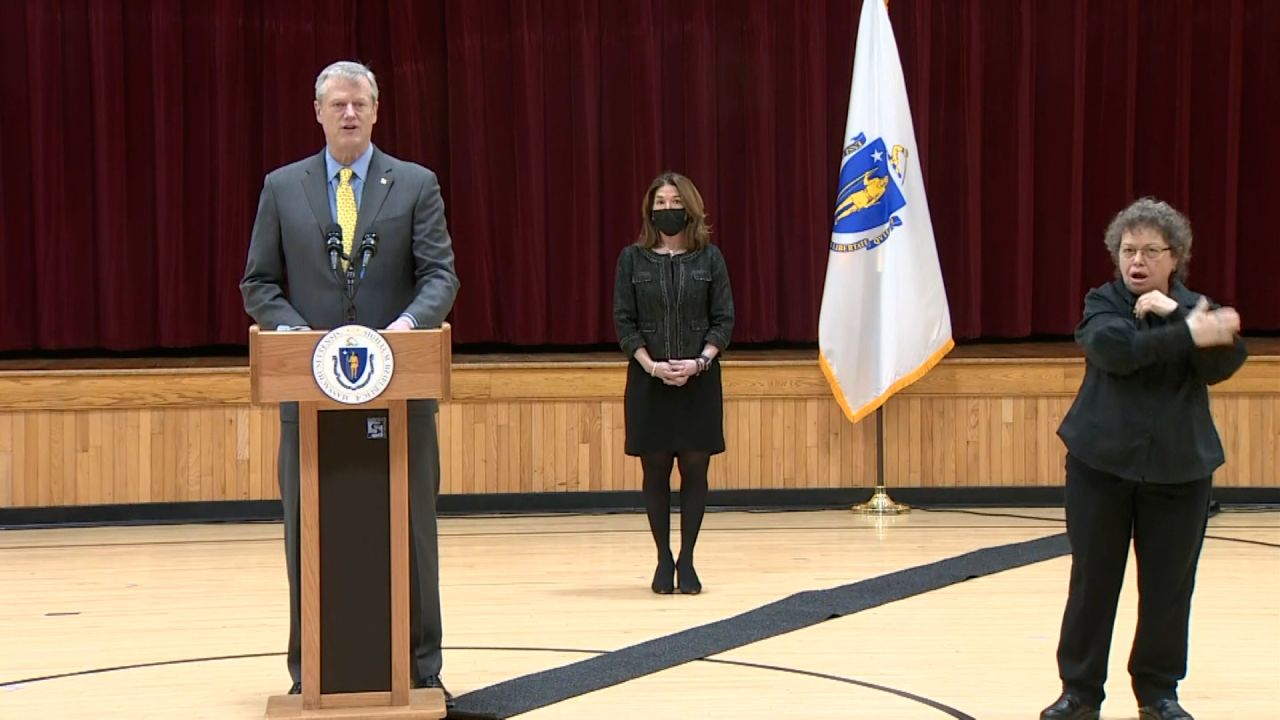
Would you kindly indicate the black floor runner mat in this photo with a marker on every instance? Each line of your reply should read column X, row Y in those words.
column 529, row 692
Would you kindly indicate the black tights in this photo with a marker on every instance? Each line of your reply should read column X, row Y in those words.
column 693, row 498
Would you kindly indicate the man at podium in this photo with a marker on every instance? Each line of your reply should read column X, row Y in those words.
column 354, row 235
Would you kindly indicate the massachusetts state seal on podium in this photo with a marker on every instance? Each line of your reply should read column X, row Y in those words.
column 352, row 364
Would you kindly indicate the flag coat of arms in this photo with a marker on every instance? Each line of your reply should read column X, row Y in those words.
column 884, row 321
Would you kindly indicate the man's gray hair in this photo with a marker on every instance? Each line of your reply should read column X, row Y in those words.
column 348, row 70
column 1154, row 215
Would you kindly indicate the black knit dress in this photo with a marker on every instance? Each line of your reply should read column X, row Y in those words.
column 665, row 418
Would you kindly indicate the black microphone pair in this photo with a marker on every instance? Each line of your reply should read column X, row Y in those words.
column 333, row 243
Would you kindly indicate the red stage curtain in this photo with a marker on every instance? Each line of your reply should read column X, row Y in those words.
column 135, row 133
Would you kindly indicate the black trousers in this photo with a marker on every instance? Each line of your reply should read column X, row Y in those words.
column 1166, row 523
column 425, row 631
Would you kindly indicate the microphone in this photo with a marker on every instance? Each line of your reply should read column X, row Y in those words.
column 368, row 248
column 333, row 243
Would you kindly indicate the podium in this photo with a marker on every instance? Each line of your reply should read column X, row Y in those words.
column 354, row 514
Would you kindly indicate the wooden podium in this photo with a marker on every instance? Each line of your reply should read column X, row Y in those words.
column 281, row 370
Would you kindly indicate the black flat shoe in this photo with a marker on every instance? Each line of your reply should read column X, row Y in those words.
column 1069, row 707
column 664, row 582
column 1164, row 710
column 295, row 689
column 689, row 582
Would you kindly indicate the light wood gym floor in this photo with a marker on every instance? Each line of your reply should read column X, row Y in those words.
column 190, row 621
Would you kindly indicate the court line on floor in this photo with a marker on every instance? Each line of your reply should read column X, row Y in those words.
column 1244, row 541
column 17, row 684
column 525, row 533
column 136, row 666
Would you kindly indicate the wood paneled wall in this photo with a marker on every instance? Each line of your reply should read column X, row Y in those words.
column 568, row 446
column 135, row 436
column 137, row 455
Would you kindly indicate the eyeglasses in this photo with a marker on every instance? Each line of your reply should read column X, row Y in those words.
column 1150, row 253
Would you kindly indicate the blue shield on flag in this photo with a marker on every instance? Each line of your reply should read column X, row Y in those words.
column 868, row 195
column 352, row 362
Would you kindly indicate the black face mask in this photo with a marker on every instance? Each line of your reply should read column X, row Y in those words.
column 670, row 221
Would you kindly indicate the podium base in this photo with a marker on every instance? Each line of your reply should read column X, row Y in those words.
column 424, row 704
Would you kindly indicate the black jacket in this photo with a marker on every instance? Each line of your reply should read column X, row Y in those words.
column 1142, row 412
column 672, row 304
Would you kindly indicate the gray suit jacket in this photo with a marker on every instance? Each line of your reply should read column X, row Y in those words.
column 287, row 279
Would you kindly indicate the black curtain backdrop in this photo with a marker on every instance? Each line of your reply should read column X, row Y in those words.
column 135, row 133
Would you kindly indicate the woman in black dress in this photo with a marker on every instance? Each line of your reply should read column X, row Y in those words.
column 673, row 310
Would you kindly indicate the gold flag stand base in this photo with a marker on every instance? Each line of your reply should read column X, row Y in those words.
column 880, row 504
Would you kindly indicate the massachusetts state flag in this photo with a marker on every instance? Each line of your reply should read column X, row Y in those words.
column 884, row 321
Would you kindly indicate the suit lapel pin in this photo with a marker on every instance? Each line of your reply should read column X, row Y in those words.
column 384, row 181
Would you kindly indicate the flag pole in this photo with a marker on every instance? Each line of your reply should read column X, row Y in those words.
column 884, row 280
column 880, row 503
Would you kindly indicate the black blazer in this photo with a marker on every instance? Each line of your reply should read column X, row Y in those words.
column 1142, row 412
column 672, row 304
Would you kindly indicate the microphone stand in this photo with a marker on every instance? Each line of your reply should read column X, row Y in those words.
column 368, row 247
column 349, row 304
column 350, row 280
column 347, row 279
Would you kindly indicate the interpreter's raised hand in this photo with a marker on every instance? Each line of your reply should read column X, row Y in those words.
column 1212, row 327
column 1154, row 302
column 1230, row 318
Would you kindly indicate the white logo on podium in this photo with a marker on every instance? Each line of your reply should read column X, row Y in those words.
column 352, row 364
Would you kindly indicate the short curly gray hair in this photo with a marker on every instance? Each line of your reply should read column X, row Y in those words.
column 1159, row 216
column 348, row 70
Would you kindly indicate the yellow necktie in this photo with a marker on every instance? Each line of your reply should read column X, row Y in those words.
column 346, row 212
